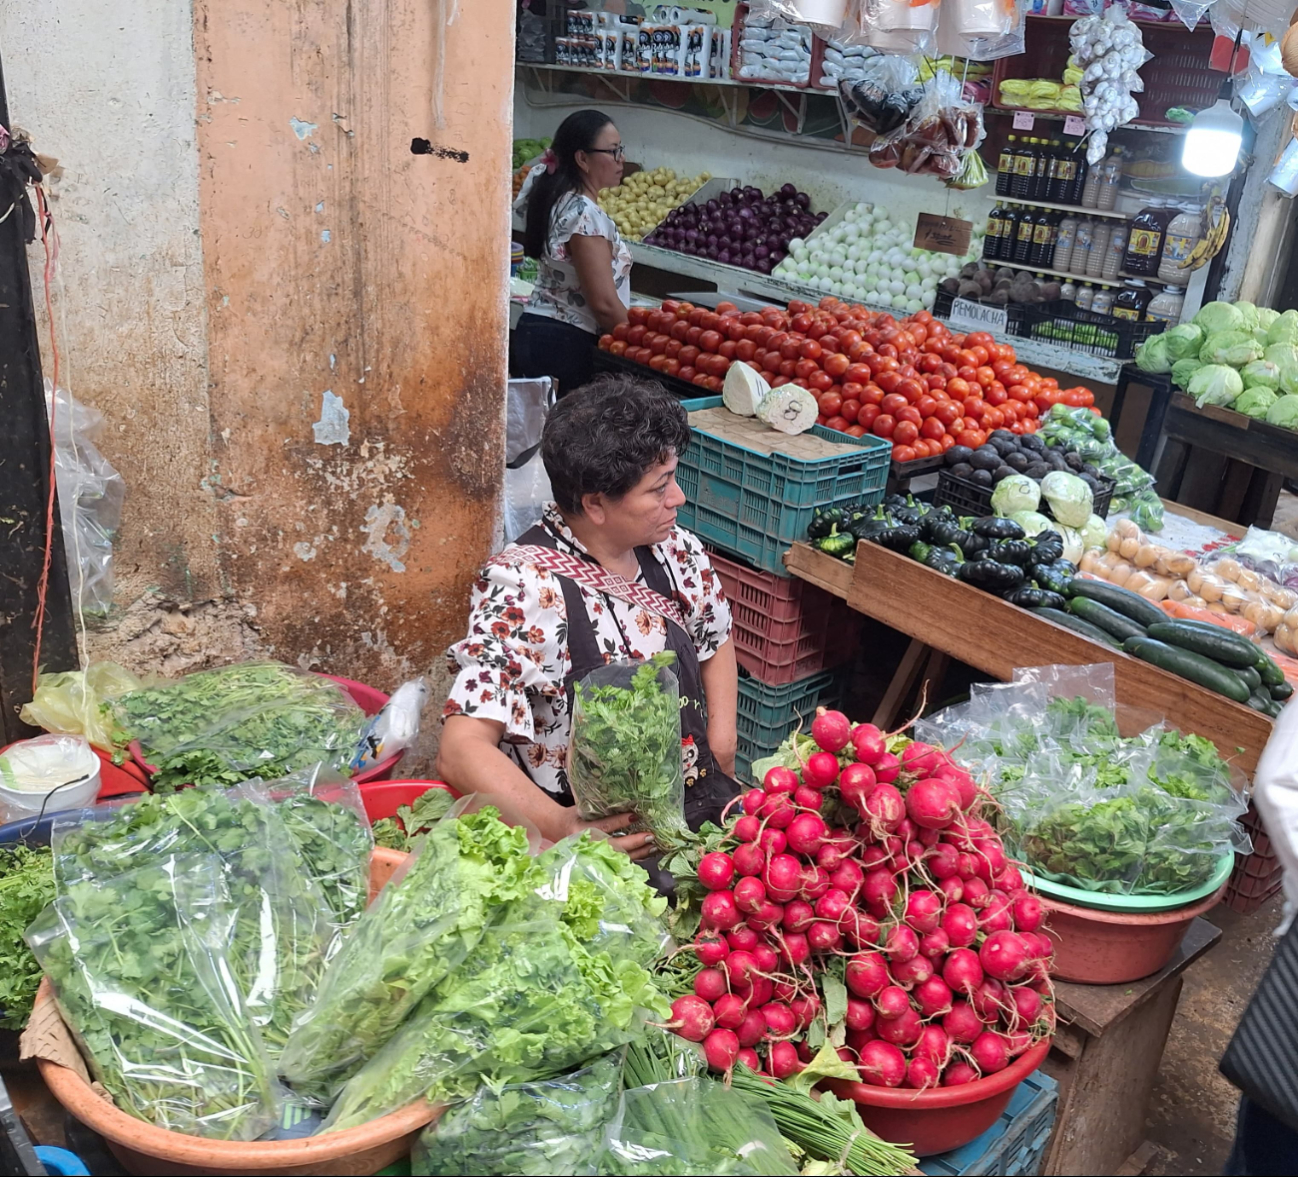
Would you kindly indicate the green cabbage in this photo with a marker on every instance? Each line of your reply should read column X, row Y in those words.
column 1266, row 317
column 1069, row 497
column 1282, row 355
column 1255, row 401
column 1016, row 493
column 1153, row 356
column 1219, row 316
column 1235, row 348
column 1249, row 312
column 1095, row 534
column 1183, row 342
column 1284, row 329
column 1182, row 370
column 1284, row 412
column 1261, row 373
column 1215, row 384
column 1032, row 522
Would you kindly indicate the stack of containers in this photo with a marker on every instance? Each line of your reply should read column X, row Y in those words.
column 1257, row 876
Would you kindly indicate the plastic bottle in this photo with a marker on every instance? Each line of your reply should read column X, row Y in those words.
column 1099, row 244
column 1085, row 296
column 1045, row 164
column 1068, row 291
column 992, row 241
column 1103, row 302
column 1060, row 169
column 1180, row 239
column 1132, row 301
column 1023, row 239
column 1106, row 198
column 1005, row 166
column 1116, row 253
column 1091, row 186
column 1082, row 171
column 1024, row 167
column 1010, row 219
column 1145, row 245
column 1166, row 306
column 1063, row 258
column 1044, row 238
column 1082, row 246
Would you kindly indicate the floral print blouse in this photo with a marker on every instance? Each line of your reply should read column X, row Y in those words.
column 557, row 292
column 512, row 666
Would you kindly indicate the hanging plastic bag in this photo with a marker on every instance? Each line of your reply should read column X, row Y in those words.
column 72, row 701
column 935, row 137
column 137, row 962
column 882, row 92
column 624, row 755
column 395, row 728
column 1008, row 38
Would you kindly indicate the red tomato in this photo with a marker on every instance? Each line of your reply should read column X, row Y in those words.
column 873, row 395
column 673, row 348
column 810, row 350
column 992, row 418
column 790, row 349
column 820, row 381
column 973, row 438
column 975, row 408
column 858, row 374
column 745, row 349
column 851, row 409
column 838, row 423
column 804, row 368
column 892, row 402
column 723, row 307
column 932, row 428
column 727, row 348
column 909, row 413
column 948, row 413
column 788, row 368
column 672, row 367
column 883, row 425
column 635, row 335
column 903, row 453
column 619, row 332
column 867, row 415
column 856, row 430
column 637, row 316
column 604, row 341
column 836, row 365
column 1074, row 398
column 996, row 396
column 710, row 340
column 688, row 373
column 617, row 347
column 658, row 363
column 831, row 403
column 927, row 406
column 905, row 432
column 701, row 379
column 946, row 441
column 958, row 388
column 1031, row 412
column 912, row 389
column 735, row 329
column 750, row 319
column 680, row 329
column 889, row 381
column 800, row 321
column 693, row 335
column 688, row 354
column 935, row 381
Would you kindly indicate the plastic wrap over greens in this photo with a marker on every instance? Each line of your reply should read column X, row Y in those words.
column 1148, row 815
column 1092, row 437
column 139, row 969
column 549, row 1127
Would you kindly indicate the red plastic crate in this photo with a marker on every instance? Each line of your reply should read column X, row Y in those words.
column 1256, row 876
column 785, row 629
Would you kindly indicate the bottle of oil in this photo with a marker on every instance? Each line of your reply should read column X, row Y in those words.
column 1005, row 166
column 1024, row 238
column 1064, row 173
column 1010, row 220
column 992, row 241
column 1044, row 237
column 1024, row 170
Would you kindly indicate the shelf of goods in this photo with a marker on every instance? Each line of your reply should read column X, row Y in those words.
column 1080, row 209
column 996, row 637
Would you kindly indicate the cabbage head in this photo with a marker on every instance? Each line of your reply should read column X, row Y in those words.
column 1235, row 348
column 1183, row 341
column 1095, row 534
column 1282, row 355
column 1219, row 316
column 1152, row 356
column 1266, row 317
column 1255, row 401
column 1284, row 412
column 1284, row 329
column 1016, row 493
column 1182, row 370
column 1215, row 384
column 1070, row 499
column 1260, row 372
column 1032, row 522
column 1249, row 311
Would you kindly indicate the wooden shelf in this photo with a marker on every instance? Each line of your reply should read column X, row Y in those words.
column 1059, row 116
column 1066, row 208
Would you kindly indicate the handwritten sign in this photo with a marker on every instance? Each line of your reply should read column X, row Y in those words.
column 943, row 234
column 1074, row 125
column 977, row 316
column 1024, row 121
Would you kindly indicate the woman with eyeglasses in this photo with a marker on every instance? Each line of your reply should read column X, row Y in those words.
column 583, row 285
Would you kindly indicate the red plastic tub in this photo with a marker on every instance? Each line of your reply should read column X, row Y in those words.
column 942, row 1118
column 119, row 780
column 383, row 798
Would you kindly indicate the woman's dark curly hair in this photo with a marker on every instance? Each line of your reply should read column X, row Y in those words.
column 604, row 436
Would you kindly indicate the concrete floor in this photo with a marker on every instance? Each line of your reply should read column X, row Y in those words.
column 1192, row 1111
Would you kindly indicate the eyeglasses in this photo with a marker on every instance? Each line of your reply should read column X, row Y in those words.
column 618, row 152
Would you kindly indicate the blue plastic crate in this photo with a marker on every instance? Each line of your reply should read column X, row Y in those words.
column 767, row 715
column 1015, row 1145
column 759, row 504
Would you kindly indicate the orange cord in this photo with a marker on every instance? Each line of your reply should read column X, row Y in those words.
column 49, row 239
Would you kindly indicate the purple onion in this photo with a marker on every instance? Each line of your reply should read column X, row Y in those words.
column 778, row 256
column 788, row 190
column 820, row 217
column 723, row 256
column 764, row 265
column 802, row 200
column 714, row 242
column 760, row 251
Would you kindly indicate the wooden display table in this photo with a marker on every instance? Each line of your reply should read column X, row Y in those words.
column 947, row 618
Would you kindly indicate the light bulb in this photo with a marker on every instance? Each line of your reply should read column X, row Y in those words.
column 1213, row 140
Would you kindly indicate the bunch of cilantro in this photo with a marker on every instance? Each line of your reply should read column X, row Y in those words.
column 26, row 886
column 253, row 719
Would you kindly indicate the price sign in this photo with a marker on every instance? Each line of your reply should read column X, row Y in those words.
column 1024, row 120
column 943, row 234
column 975, row 316
column 1074, row 125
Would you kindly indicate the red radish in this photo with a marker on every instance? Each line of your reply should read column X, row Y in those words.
column 710, row 984
column 766, row 957
column 885, row 807
column 900, row 1031
column 784, row 990
column 914, row 851
column 913, row 971
column 821, row 770
column 921, row 758
column 750, row 894
column 1028, row 912
column 749, row 859
column 823, row 936
column 901, row 944
column 805, row 833
column 933, row 997
column 978, row 828
column 923, row 910
column 866, row 974
column 832, row 853
column 962, row 1023
column 763, row 991
column 990, row 1053
column 752, row 1029
column 860, row 1014
column 784, row 1060
column 873, row 855
column 848, row 878
column 930, row 838
column 932, row 802
column 855, row 784
column 935, row 944
column 966, row 865
column 992, row 853
column 729, row 1011
column 740, row 967
column 779, row 811
column 892, row 1002
column 832, row 905
column 942, row 861
column 719, row 910
column 773, row 842
column 808, row 798
column 960, row 923
column 831, row 730
column 976, row 893
column 780, row 780
column 767, row 916
column 952, row 889
column 879, row 887
column 906, row 830
column 920, row 1072
column 882, row 1064
column 1017, row 1041
column 805, row 1010
column 933, row 1045
column 958, row 1074
column 748, row 1056
column 996, row 916
column 887, row 768
column 797, row 951
column 856, row 1040
column 868, row 743
column 1027, row 1003
column 748, row 828
column 990, row 999
column 962, row 970
column 798, row 914
column 804, row 1051
column 815, row 882
column 1005, row 956
column 754, row 799
column 1009, row 880
column 711, row 949
column 859, row 929
column 780, row 1022
column 783, row 876
column 716, row 871
column 963, row 782
column 721, row 1049
column 743, row 940
column 692, row 1017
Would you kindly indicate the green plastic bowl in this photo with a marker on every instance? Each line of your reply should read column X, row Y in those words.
column 1107, row 901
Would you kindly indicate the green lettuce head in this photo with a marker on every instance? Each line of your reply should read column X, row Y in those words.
column 1249, row 312
column 1284, row 329
column 1219, row 316
column 1182, row 370
column 1235, row 348
column 1284, row 412
column 1261, row 373
column 1215, row 384
column 1266, row 317
column 1255, row 401
column 1153, row 356
column 1183, row 341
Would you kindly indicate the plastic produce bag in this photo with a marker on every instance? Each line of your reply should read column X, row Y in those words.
column 554, row 1126
column 625, row 752
column 936, row 136
column 72, row 701
column 883, row 92
column 90, row 499
column 252, row 719
column 138, row 965
column 281, row 928
column 395, row 728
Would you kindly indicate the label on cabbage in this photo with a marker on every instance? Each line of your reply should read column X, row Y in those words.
column 976, row 316
column 943, row 234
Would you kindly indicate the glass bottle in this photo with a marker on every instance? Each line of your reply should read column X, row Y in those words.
column 1023, row 239
column 992, row 240
column 1005, row 166
column 1044, row 238
column 1024, row 167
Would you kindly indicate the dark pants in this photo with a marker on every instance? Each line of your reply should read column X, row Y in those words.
column 1263, row 1145
column 546, row 347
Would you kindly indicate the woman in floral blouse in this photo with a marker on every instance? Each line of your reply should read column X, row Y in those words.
column 607, row 575
column 583, row 284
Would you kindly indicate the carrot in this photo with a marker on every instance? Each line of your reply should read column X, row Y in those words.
column 1179, row 609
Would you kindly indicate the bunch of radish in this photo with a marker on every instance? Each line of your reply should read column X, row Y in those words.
column 872, row 870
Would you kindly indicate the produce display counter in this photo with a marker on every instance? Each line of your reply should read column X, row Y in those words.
column 946, row 618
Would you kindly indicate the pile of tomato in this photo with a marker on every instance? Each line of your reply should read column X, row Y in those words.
column 913, row 382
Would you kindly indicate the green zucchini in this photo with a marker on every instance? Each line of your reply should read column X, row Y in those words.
column 1271, row 674
column 1111, row 621
column 1220, row 645
column 1188, row 665
column 1281, row 691
column 1249, row 674
column 1121, row 600
column 1078, row 626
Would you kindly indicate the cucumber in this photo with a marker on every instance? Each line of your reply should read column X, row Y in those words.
column 1271, row 674
column 1249, row 674
column 1258, row 701
column 1121, row 600
column 1221, row 646
column 1273, row 708
column 1110, row 620
column 1078, row 626
column 1281, row 691
column 1189, row 665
